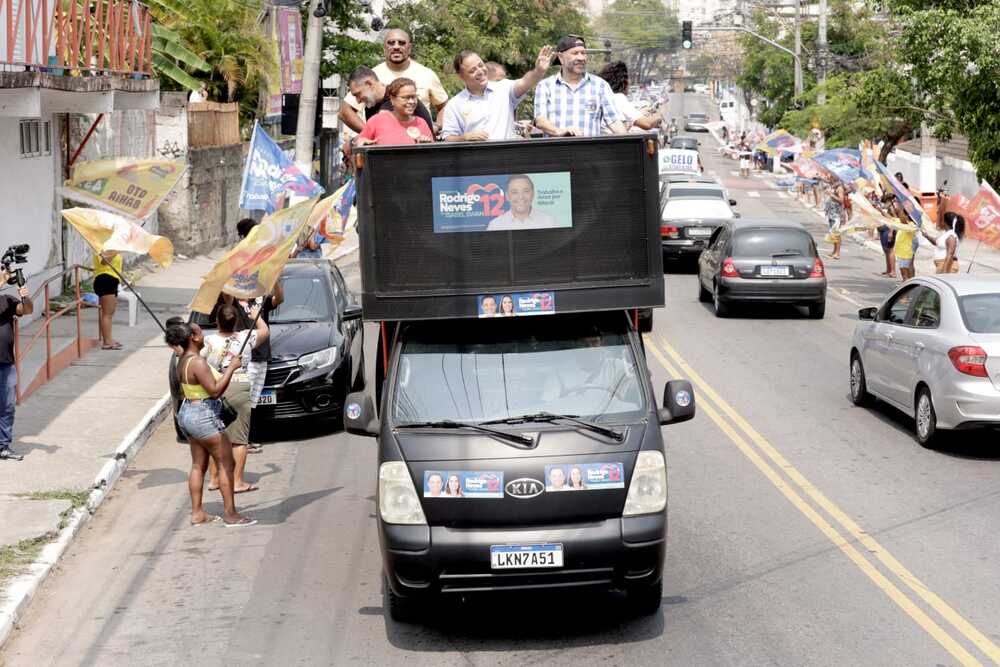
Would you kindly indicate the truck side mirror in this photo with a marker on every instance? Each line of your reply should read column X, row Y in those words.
column 678, row 403
column 359, row 415
column 867, row 313
column 352, row 312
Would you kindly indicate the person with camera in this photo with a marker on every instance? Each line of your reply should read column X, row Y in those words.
column 10, row 308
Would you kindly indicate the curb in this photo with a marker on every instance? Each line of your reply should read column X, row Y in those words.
column 21, row 591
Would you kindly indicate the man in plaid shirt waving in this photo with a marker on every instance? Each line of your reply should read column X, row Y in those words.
column 574, row 103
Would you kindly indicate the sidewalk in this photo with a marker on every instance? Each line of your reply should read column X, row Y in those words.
column 79, row 431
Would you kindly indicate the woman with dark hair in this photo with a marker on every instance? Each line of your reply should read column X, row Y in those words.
column 454, row 488
column 399, row 126
column 220, row 349
column 507, row 306
column 616, row 74
column 199, row 421
column 952, row 228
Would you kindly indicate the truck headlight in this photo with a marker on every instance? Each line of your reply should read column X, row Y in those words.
column 647, row 492
column 319, row 359
column 397, row 499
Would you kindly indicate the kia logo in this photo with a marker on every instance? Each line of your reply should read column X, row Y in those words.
column 524, row 488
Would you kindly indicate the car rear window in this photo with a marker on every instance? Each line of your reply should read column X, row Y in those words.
column 981, row 312
column 696, row 192
column 765, row 242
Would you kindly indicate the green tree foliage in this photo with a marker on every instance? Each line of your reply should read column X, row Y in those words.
column 510, row 32
column 644, row 30
column 768, row 73
column 951, row 48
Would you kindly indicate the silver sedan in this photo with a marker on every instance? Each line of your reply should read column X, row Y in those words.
column 932, row 350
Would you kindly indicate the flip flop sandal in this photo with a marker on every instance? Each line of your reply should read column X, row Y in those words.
column 248, row 489
column 242, row 523
column 116, row 346
column 211, row 519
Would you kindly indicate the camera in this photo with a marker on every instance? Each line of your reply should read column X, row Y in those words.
column 15, row 254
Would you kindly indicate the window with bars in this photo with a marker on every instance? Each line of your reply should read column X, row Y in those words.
column 36, row 139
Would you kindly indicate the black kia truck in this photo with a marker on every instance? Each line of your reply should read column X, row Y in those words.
column 518, row 431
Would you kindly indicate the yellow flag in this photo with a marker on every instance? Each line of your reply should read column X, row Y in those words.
column 133, row 188
column 252, row 268
column 109, row 231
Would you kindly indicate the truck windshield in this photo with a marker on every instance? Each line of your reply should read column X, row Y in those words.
column 484, row 370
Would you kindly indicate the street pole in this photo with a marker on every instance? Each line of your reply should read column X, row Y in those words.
column 798, row 47
column 310, row 91
column 821, row 54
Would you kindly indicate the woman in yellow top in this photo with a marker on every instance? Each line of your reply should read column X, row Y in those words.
column 905, row 244
column 106, row 289
column 199, row 421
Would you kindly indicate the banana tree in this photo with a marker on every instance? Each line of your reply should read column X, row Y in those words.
column 169, row 54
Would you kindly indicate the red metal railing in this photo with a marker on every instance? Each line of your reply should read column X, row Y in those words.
column 53, row 363
column 96, row 36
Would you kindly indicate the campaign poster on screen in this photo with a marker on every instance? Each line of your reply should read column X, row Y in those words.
column 463, row 484
column 515, row 304
column 503, row 202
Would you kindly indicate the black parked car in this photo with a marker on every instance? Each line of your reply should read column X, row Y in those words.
column 769, row 261
column 317, row 343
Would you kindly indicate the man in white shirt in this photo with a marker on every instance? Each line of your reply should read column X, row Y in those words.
column 521, row 195
column 397, row 48
column 485, row 109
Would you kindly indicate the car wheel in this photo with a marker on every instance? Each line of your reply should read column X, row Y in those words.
column 817, row 310
column 721, row 308
column 704, row 296
column 925, row 418
column 400, row 609
column 859, row 386
column 645, row 601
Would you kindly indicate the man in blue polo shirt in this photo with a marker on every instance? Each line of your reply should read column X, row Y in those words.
column 574, row 103
column 484, row 110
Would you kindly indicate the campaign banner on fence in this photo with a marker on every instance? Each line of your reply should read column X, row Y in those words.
column 253, row 267
column 104, row 230
column 463, row 484
column 584, row 476
column 134, row 188
column 673, row 160
column 268, row 173
column 982, row 216
column 502, row 202
column 516, row 303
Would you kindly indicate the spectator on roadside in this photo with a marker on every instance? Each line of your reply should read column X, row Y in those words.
column 574, row 103
column 485, row 110
column 372, row 93
column 9, row 309
column 199, row 421
column 495, row 71
column 952, row 228
column 398, row 126
column 836, row 202
column 219, row 350
column 904, row 246
column 397, row 48
column 886, row 235
column 616, row 74
column 108, row 266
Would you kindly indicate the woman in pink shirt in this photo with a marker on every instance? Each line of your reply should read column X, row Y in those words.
column 398, row 126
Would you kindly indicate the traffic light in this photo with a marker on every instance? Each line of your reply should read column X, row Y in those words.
column 687, row 41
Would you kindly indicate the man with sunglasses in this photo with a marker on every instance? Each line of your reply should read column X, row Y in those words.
column 397, row 48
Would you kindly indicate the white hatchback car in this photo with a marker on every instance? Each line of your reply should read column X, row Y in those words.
column 932, row 350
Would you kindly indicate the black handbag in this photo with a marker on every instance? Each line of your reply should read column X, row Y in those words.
column 227, row 412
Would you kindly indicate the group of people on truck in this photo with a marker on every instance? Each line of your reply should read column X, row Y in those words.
column 393, row 102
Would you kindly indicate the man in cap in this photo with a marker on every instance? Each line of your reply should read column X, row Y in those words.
column 398, row 63
column 485, row 109
column 574, row 103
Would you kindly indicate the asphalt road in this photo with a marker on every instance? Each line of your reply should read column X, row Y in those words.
column 802, row 530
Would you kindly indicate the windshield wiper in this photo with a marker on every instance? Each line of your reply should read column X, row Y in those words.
column 524, row 440
column 548, row 417
column 786, row 253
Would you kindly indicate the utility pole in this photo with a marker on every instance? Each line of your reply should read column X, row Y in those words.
column 821, row 53
column 310, row 91
column 798, row 47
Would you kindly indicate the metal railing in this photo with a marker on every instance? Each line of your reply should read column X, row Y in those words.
column 23, row 391
column 95, row 36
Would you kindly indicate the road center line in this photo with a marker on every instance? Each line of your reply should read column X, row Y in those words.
column 848, row 524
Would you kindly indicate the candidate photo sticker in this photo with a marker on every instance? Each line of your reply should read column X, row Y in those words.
column 463, row 484
column 514, row 304
column 584, row 477
column 502, row 202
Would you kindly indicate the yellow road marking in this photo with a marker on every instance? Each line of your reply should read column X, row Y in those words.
column 890, row 589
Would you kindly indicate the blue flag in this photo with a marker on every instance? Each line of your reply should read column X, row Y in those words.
column 268, row 173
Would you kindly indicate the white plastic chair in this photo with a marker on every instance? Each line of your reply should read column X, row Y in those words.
column 133, row 303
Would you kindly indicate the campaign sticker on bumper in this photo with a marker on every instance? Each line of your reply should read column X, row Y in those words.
column 463, row 484
column 584, row 477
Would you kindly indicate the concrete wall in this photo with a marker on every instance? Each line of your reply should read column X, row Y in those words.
column 172, row 126
column 202, row 211
column 960, row 174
